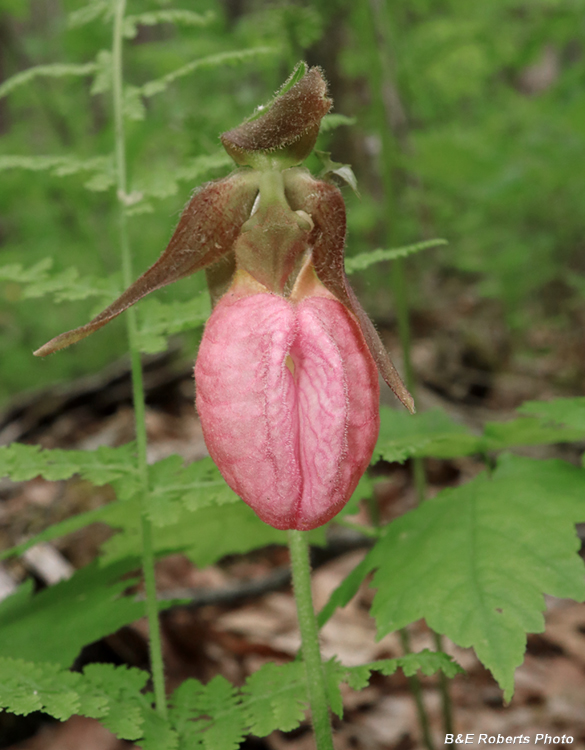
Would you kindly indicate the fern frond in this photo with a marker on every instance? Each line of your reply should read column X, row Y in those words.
column 93, row 10
column 164, row 319
column 176, row 16
column 102, row 466
column 365, row 260
column 65, row 285
column 211, row 61
column 332, row 122
column 54, row 70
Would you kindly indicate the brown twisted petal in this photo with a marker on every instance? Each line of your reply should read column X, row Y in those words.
column 293, row 118
column 324, row 203
column 206, row 232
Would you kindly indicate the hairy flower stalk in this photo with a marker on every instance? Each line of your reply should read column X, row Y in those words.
column 286, row 375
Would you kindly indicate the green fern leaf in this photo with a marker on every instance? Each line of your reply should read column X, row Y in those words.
column 102, row 466
column 55, row 70
column 102, row 81
column 476, row 560
column 204, row 63
column 204, row 535
column 127, row 707
column 26, row 687
column 175, row 488
column 157, row 733
column 332, row 122
column 160, row 320
column 95, row 9
column 176, row 16
column 275, row 697
column 365, row 260
column 157, row 184
column 65, row 285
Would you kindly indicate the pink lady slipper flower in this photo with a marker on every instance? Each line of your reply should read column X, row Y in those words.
column 287, row 372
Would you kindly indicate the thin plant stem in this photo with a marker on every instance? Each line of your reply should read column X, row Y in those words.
column 155, row 645
column 416, row 690
column 301, row 574
column 393, row 128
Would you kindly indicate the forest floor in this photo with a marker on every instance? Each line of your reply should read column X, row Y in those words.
column 472, row 377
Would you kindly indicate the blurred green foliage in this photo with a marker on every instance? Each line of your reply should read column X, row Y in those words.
column 488, row 144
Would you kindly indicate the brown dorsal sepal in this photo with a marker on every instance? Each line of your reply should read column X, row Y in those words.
column 289, row 127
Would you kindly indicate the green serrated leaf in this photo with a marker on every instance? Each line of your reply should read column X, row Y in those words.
column 365, row 260
column 345, row 592
column 562, row 411
column 176, row 16
column 476, row 560
column 204, row 535
column 56, row 623
column 55, row 70
column 433, row 433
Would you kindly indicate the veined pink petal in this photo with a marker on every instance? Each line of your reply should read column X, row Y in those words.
column 292, row 445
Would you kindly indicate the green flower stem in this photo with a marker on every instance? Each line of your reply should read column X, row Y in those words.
column 301, row 573
column 156, row 660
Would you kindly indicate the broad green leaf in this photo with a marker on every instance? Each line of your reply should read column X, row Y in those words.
column 55, row 70
column 205, row 535
column 564, row 411
column 54, row 624
column 433, row 433
column 346, row 590
column 172, row 15
column 365, row 260
column 475, row 561
column 160, row 319
column 404, row 435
